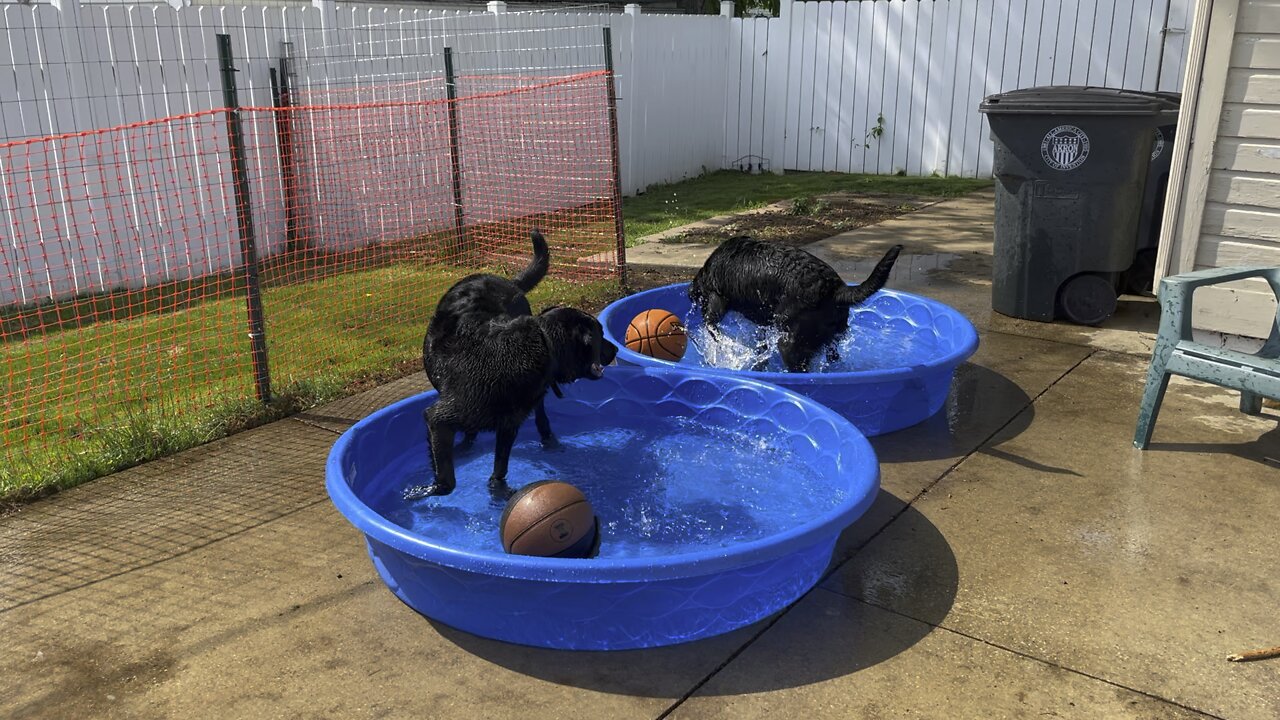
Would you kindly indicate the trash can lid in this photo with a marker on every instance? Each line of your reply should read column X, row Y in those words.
column 1073, row 100
column 1172, row 102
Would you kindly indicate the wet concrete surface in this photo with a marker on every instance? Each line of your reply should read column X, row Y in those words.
column 1021, row 560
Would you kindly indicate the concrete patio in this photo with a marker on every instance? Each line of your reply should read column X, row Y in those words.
column 1022, row 560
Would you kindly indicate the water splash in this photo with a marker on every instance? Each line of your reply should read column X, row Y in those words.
column 872, row 343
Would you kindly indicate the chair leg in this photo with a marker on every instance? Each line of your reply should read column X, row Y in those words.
column 1152, row 396
column 1250, row 403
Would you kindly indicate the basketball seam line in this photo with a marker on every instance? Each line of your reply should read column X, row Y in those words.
column 534, row 524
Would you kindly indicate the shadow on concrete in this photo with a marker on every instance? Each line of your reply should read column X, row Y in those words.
column 981, row 403
column 1136, row 314
column 1265, row 450
column 835, row 645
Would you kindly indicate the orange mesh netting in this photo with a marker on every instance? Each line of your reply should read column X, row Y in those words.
column 125, row 266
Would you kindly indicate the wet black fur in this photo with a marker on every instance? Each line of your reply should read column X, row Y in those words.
column 786, row 287
column 492, row 362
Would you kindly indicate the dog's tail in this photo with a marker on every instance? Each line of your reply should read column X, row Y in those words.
column 529, row 278
column 876, row 280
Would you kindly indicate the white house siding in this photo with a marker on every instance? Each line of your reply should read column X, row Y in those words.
column 1240, row 224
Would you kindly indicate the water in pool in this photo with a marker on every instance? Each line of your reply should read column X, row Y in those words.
column 660, row 486
column 873, row 342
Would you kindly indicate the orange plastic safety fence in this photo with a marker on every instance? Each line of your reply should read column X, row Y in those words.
column 125, row 252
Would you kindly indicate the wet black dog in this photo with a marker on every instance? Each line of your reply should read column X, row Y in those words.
column 786, row 287
column 492, row 362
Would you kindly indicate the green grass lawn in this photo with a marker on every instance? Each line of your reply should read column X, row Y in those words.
column 663, row 207
column 81, row 403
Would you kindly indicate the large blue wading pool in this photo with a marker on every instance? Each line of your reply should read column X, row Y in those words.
column 720, row 501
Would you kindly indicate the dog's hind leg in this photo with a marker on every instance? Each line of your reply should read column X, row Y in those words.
column 549, row 440
column 440, row 437
column 468, row 441
column 498, row 488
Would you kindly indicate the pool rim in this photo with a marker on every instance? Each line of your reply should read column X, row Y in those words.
column 603, row 570
column 851, row 377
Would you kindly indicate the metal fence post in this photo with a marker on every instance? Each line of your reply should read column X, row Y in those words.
column 613, row 152
column 455, row 152
column 281, row 95
column 244, row 216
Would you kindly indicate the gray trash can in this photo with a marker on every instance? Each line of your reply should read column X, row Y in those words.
column 1139, row 280
column 1071, row 166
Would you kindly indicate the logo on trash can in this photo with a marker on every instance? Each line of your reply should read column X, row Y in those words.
column 1065, row 147
column 1159, row 148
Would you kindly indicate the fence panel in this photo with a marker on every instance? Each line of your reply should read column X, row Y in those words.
column 925, row 67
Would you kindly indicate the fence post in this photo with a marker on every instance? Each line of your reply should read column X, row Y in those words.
column 244, row 217
column 455, row 151
column 619, row 229
column 328, row 24
column 777, row 74
column 281, row 95
column 636, row 180
column 72, row 37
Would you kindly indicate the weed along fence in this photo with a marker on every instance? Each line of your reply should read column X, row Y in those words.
column 169, row 279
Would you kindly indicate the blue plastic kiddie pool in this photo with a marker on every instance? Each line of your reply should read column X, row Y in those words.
column 900, row 355
column 720, row 500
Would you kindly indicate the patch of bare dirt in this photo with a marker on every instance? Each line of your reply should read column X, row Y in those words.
column 649, row 277
column 808, row 219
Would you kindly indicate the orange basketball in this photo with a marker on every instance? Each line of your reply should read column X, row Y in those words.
column 550, row 519
column 657, row 333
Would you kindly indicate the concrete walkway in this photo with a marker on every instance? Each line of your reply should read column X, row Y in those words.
column 1022, row 560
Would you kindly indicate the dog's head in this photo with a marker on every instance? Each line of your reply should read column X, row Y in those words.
column 577, row 343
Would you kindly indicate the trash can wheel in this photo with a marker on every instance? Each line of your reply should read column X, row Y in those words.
column 1087, row 299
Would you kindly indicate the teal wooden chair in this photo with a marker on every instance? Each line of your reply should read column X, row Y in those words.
column 1255, row 375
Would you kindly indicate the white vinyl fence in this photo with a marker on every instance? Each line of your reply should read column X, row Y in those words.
column 893, row 86
column 862, row 86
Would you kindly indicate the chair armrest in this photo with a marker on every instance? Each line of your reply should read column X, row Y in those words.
column 1216, row 276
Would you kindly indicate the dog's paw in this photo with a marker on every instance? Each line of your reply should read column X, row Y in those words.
column 417, row 492
column 499, row 495
column 551, row 442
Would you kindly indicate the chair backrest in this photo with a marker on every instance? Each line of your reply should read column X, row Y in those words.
column 1176, row 299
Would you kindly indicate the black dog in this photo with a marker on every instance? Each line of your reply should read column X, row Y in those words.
column 783, row 286
column 493, row 362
